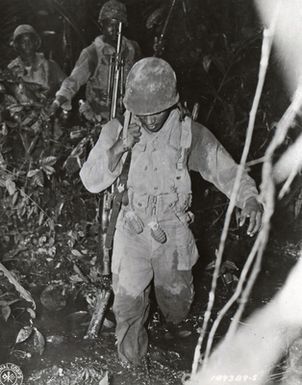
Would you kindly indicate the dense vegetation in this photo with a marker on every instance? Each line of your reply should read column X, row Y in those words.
column 48, row 221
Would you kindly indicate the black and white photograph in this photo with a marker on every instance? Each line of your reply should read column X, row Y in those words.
column 151, row 192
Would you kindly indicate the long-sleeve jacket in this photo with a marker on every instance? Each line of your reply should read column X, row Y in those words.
column 43, row 72
column 150, row 158
column 91, row 69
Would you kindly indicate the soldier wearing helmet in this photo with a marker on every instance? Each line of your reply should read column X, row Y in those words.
column 91, row 69
column 32, row 66
column 153, row 241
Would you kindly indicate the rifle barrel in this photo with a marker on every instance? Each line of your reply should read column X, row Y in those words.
column 117, row 70
column 164, row 30
column 109, row 81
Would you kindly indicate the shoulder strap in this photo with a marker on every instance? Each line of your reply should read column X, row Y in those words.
column 185, row 141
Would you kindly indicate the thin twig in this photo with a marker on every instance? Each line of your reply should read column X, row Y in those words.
column 225, row 75
column 267, row 196
column 255, row 161
column 266, row 47
column 235, row 296
column 263, row 237
column 35, row 203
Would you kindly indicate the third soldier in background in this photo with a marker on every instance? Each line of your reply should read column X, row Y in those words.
column 92, row 67
column 41, row 77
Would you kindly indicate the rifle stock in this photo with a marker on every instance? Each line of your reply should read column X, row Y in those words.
column 105, row 203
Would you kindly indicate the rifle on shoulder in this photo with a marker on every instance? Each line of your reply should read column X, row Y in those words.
column 110, row 206
column 114, row 100
column 110, row 202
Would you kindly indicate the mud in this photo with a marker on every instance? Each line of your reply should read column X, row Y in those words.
column 69, row 359
column 214, row 49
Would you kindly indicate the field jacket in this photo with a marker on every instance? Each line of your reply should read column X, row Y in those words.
column 161, row 161
column 91, row 69
column 43, row 72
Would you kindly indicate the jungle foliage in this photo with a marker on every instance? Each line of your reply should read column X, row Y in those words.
column 49, row 230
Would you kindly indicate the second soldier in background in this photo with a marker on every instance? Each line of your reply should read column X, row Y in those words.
column 91, row 69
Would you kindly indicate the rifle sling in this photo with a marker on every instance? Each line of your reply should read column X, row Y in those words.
column 120, row 189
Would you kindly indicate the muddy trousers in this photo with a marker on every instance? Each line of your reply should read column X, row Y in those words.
column 137, row 259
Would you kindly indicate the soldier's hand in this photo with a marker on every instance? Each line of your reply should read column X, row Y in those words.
column 133, row 135
column 54, row 108
column 253, row 211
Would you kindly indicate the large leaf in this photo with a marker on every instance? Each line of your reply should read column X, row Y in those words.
column 24, row 293
column 32, row 173
column 15, row 108
column 41, row 218
column 6, row 312
column 38, row 179
column 48, row 169
column 75, row 279
column 49, row 161
column 76, row 253
column 24, row 334
column 51, row 224
column 31, row 312
column 30, row 212
column 39, row 341
column 15, row 198
column 2, row 161
column 10, row 186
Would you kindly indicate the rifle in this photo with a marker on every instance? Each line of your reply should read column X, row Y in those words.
column 119, row 189
column 159, row 42
column 115, row 86
column 110, row 202
column 110, row 205
column 118, row 74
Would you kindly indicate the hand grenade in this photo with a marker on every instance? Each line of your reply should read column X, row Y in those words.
column 157, row 232
column 134, row 222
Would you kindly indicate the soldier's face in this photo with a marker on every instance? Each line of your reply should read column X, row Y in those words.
column 110, row 30
column 26, row 44
column 154, row 122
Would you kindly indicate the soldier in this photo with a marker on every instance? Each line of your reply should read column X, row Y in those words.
column 92, row 66
column 152, row 239
column 31, row 66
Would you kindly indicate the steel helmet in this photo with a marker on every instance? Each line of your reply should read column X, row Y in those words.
column 23, row 29
column 150, row 87
column 113, row 9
